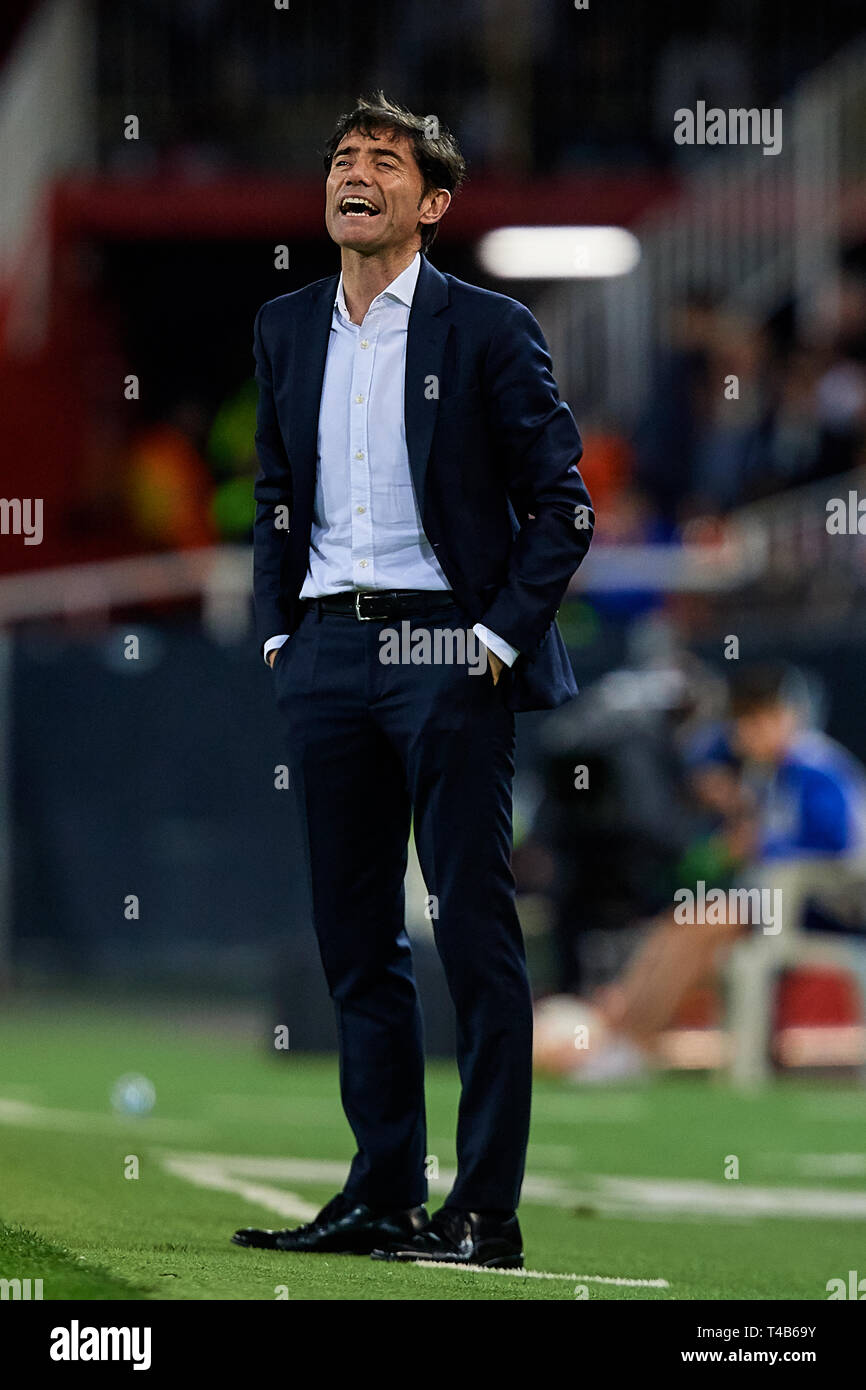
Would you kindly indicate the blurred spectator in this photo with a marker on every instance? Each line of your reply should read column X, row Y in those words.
column 734, row 392
column 809, row 793
column 607, row 464
column 786, row 448
column 232, row 455
column 615, row 815
column 789, row 806
column 667, row 437
column 169, row 486
column 696, row 65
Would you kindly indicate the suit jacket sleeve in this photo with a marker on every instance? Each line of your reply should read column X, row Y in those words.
column 540, row 448
column 273, row 488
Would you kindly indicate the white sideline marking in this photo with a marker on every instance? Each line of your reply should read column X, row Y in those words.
column 849, row 1165
column 545, row 1274
column 23, row 1114
column 641, row 1199
column 675, row 1196
column 217, row 1177
column 638, row 1199
column 844, row 1165
column 548, row 1191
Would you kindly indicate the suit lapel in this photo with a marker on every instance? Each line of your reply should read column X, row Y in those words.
column 425, row 350
column 311, row 349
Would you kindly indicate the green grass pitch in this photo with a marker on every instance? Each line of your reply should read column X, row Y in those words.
column 622, row 1184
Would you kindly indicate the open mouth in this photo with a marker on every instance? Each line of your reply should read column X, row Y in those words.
column 354, row 206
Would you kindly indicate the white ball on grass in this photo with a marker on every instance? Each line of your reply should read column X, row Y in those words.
column 567, row 1031
column 133, row 1095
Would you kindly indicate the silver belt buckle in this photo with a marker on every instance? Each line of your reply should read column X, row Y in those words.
column 358, row 614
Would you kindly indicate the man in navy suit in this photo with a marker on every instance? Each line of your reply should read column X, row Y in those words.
column 419, row 516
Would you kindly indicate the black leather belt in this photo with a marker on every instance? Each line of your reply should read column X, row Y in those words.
column 382, row 605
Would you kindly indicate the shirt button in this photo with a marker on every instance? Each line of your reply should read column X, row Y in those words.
column 359, row 400
column 360, row 510
column 365, row 342
column 359, row 454
column 363, row 564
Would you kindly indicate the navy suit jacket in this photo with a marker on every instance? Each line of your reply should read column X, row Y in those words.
column 493, row 453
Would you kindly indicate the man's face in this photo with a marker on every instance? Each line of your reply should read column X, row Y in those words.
column 374, row 195
column 764, row 735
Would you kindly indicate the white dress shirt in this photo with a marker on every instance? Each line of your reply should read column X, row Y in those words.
column 366, row 530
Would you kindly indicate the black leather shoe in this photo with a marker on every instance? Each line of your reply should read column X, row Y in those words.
column 462, row 1238
column 343, row 1227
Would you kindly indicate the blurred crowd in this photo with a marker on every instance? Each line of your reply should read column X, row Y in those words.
column 797, row 414
column 738, row 410
column 547, row 88
column 741, row 409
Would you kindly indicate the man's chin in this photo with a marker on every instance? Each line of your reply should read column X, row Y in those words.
column 358, row 237
column 363, row 245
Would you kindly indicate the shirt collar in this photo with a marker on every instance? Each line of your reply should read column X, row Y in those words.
column 402, row 289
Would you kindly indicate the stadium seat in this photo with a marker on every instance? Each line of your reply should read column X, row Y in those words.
column 756, row 963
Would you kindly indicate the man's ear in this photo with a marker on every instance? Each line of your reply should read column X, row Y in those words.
column 440, row 201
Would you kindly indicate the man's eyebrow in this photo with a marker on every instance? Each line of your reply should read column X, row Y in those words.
column 377, row 149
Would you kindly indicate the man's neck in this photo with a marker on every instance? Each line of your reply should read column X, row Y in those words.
column 366, row 276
